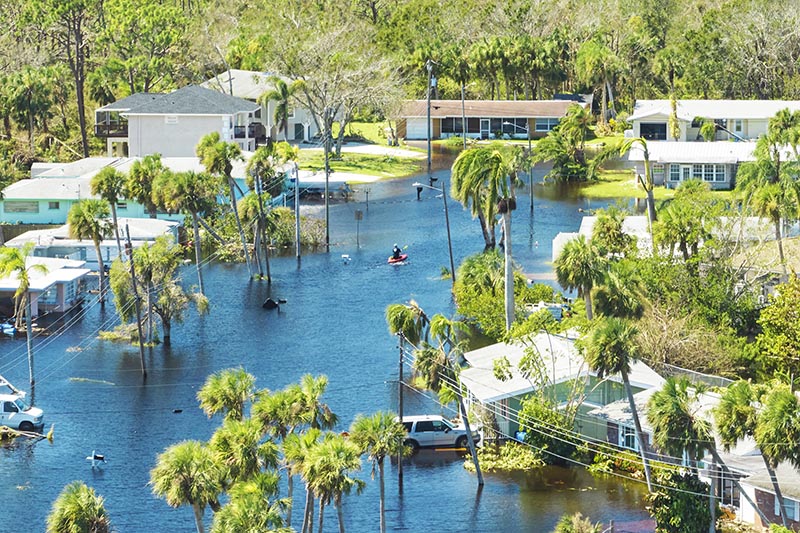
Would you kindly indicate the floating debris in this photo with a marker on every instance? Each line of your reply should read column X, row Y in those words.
column 73, row 349
column 88, row 380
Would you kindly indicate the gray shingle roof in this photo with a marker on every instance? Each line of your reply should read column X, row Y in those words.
column 131, row 101
column 194, row 100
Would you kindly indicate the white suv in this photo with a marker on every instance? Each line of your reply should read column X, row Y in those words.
column 16, row 414
column 436, row 431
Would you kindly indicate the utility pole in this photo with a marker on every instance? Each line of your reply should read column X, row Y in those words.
column 401, row 339
column 297, row 210
column 530, row 160
column 429, row 66
column 129, row 253
column 449, row 239
column 463, row 116
column 28, row 335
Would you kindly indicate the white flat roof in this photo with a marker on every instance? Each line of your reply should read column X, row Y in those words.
column 561, row 361
column 713, row 109
column 58, row 270
column 695, row 152
column 141, row 229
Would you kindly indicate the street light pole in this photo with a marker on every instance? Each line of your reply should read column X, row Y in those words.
column 443, row 190
column 429, row 66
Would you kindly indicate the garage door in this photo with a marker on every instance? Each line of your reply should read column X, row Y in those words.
column 653, row 131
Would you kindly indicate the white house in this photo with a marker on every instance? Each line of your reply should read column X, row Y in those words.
column 558, row 366
column 56, row 242
column 58, row 290
column 172, row 124
column 735, row 119
column 485, row 119
column 250, row 85
column 672, row 163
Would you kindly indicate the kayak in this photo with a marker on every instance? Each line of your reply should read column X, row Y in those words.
column 400, row 259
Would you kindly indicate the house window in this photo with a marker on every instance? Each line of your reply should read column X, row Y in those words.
column 708, row 172
column 290, row 115
column 170, row 119
column 737, row 126
column 658, row 169
column 546, row 124
column 122, row 205
column 697, row 172
column 503, row 411
column 53, row 205
column 719, row 173
column 11, row 206
column 791, row 507
column 674, row 172
column 653, row 131
column 627, row 438
column 730, row 492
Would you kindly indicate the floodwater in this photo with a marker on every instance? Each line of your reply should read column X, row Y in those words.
column 333, row 323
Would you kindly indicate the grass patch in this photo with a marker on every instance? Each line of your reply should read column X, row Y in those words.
column 370, row 131
column 372, row 165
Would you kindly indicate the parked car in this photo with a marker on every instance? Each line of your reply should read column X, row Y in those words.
column 425, row 431
column 16, row 414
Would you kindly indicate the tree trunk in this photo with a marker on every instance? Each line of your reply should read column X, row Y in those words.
column 290, row 498
column 239, row 225
column 603, row 107
column 116, row 228
column 308, row 513
column 488, row 232
column 197, row 251
column 265, row 243
column 382, row 495
column 101, row 269
column 587, row 298
column 321, row 515
column 773, row 477
column 639, row 433
column 198, row 518
column 339, row 513
column 509, row 270
column 256, row 250
column 779, row 240
column 166, row 324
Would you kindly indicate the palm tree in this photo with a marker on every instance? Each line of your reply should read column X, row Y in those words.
column 576, row 523
column 141, row 177
column 78, row 510
column 280, row 413
column 109, row 184
column 619, row 294
column 263, row 177
column 607, row 233
column 647, row 181
column 314, row 412
column 190, row 192
column 485, row 176
column 251, row 507
column 187, row 473
column 678, row 426
column 611, row 348
column 778, row 433
column 251, row 211
column 328, row 468
column 88, row 219
column 379, row 436
column 238, row 449
column 466, row 188
column 408, row 319
column 596, row 64
column 227, row 392
column 283, row 95
column 579, row 266
column 14, row 262
column 296, row 451
column 217, row 157
column 736, row 418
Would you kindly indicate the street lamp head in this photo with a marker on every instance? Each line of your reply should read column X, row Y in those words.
column 416, row 184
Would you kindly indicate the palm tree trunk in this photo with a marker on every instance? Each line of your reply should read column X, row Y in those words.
column 339, row 513
column 712, row 493
column 197, row 251
column 239, row 225
column 779, row 239
column 198, row 518
column 265, row 243
column 726, row 470
column 290, row 496
column 116, row 228
column 509, row 271
column 383, row 495
column 488, row 233
column 308, row 513
column 587, row 298
column 639, row 433
column 101, row 269
column 256, row 252
column 773, row 477
column 321, row 515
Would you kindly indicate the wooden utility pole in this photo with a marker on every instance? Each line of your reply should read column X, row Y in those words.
column 137, row 303
column 401, row 339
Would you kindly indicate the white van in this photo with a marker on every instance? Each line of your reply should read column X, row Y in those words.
column 16, row 414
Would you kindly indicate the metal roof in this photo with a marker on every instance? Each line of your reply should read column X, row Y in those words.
column 58, row 270
column 722, row 152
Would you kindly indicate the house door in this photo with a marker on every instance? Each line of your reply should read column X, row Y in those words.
column 686, row 172
column 299, row 132
column 485, row 127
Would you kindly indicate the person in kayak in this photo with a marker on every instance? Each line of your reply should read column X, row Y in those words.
column 396, row 252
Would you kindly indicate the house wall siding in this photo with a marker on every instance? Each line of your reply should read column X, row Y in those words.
column 766, row 502
column 151, row 135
